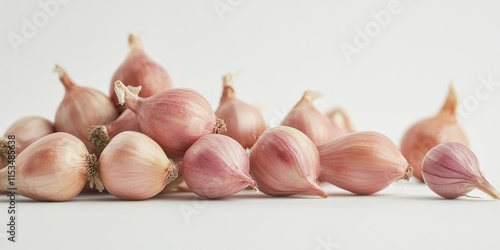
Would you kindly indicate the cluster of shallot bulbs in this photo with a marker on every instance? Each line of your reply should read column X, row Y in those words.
column 148, row 138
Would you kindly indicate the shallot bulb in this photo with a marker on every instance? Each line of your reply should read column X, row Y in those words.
column 452, row 170
column 284, row 161
column 26, row 130
column 100, row 135
column 244, row 122
column 134, row 167
column 428, row 133
column 216, row 166
column 175, row 119
column 82, row 108
column 306, row 118
column 53, row 168
column 139, row 70
column 362, row 163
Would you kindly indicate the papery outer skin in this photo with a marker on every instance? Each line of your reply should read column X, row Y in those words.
column 134, row 167
column 52, row 168
column 175, row 119
column 216, row 166
column 451, row 170
column 362, row 163
column 26, row 130
column 139, row 69
column 81, row 109
column 244, row 122
column 428, row 133
column 284, row 161
column 306, row 118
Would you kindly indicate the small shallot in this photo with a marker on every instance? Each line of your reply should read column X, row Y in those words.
column 53, row 168
column 81, row 108
column 244, row 122
column 139, row 70
column 452, row 170
column 428, row 133
column 284, row 161
column 26, row 130
column 175, row 118
column 363, row 163
column 134, row 167
column 309, row 120
column 216, row 166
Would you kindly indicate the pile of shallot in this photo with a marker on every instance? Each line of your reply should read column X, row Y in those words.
column 147, row 138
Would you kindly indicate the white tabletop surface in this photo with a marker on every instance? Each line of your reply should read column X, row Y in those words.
column 399, row 75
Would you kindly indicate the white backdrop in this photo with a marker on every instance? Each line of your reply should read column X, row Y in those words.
column 388, row 63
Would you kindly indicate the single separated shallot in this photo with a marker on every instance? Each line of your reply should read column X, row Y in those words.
column 53, row 168
column 134, row 167
column 174, row 118
column 362, row 163
column 81, row 108
column 139, row 70
column 430, row 132
column 284, row 161
column 244, row 122
column 216, row 166
column 452, row 170
column 310, row 121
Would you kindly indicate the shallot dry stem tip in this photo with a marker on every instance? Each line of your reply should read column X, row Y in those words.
column 310, row 95
column 134, row 41
column 99, row 137
column 450, row 105
column 63, row 76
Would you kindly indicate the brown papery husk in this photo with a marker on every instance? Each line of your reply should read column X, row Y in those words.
column 139, row 69
column 100, row 135
column 26, row 131
column 54, row 168
column 244, row 122
column 362, row 163
column 430, row 132
column 81, row 108
column 306, row 118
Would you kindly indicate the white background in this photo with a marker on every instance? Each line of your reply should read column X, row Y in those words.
column 283, row 48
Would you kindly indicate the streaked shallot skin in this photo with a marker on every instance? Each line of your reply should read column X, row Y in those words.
column 362, row 163
column 139, row 69
column 175, row 118
column 53, row 168
column 452, row 170
column 134, row 167
column 216, row 166
column 244, row 122
column 284, row 161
